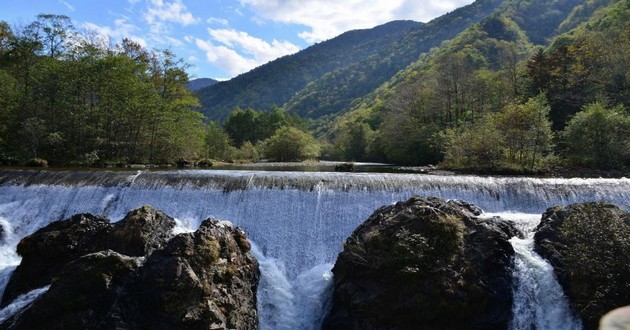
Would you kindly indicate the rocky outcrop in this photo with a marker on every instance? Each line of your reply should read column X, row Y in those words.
column 424, row 264
column 589, row 247
column 48, row 250
column 138, row 275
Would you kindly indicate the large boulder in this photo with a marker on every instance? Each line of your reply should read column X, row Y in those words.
column 48, row 250
column 201, row 280
column 205, row 280
column 589, row 247
column 424, row 264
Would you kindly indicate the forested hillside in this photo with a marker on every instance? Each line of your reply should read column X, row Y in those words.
column 199, row 83
column 506, row 94
column 512, row 86
column 324, row 78
column 276, row 82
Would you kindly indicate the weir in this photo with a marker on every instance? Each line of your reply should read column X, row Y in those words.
column 298, row 221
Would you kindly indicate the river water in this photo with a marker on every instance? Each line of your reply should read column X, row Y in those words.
column 298, row 221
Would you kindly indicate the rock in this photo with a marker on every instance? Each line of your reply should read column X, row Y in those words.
column 153, row 280
column 48, row 250
column 205, row 280
column 344, row 167
column 85, row 296
column 589, row 247
column 141, row 232
column 423, row 264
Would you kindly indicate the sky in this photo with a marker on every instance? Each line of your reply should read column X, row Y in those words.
column 223, row 38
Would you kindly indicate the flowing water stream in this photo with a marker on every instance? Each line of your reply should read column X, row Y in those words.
column 297, row 221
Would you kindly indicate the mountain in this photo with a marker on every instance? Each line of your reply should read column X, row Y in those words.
column 197, row 84
column 276, row 82
column 324, row 78
column 523, row 49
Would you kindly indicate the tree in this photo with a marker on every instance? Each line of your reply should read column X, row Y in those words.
column 476, row 146
column 289, row 144
column 243, row 125
column 598, row 137
column 526, row 131
column 217, row 142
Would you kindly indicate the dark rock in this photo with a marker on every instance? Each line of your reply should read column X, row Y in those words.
column 423, row 264
column 345, row 167
column 48, row 250
column 85, row 296
column 37, row 162
column 205, row 280
column 183, row 163
column 202, row 280
column 141, row 232
column 589, row 247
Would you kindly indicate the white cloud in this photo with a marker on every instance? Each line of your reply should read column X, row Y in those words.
column 159, row 13
column 67, row 4
column 237, row 51
column 327, row 19
column 122, row 29
column 217, row 20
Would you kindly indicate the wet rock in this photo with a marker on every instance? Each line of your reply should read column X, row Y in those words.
column 344, row 167
column 589, row 247
column 48, row 250
column 205, row 280
column 152, row 280
column 423, row 264
column 141, row 232
column 86, row 295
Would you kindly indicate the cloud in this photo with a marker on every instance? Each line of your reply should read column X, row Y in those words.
column 68, row 5
column 327, row 19
column 159, row 13
column 122, row 29
column 237, row 51
column 217, row 20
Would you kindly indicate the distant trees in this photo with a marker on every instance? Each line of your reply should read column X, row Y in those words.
column 519, row 137
column 290, row 144
column 71, row 98
column 598, row 137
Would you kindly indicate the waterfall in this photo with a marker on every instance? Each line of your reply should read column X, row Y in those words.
column 539, row 302
column 298, row 221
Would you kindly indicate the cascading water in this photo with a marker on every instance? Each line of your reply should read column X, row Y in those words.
column 539, row 302
column 298, row 221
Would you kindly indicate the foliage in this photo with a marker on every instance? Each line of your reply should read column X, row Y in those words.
column 517, row 138
column 71, row 98
column 289, row 144
column 598, row 137
column 217, row 142
column 253, row 126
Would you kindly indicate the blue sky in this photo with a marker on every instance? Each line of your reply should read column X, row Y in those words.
column 223, row 38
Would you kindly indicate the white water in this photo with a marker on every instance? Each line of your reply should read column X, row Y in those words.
column 298, row 220
column 21, row 303
column 539, row 302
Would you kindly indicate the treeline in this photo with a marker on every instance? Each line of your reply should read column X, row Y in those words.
column 490, row 100
column 73, row 98
column 250, row 135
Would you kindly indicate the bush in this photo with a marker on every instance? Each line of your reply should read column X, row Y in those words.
column 598, row 137
column 289, row 144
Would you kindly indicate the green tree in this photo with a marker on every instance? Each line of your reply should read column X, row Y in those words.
column 598, row 137
column 290, row 144
column 476, row 146
column 217, row 142
column 526, row 130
